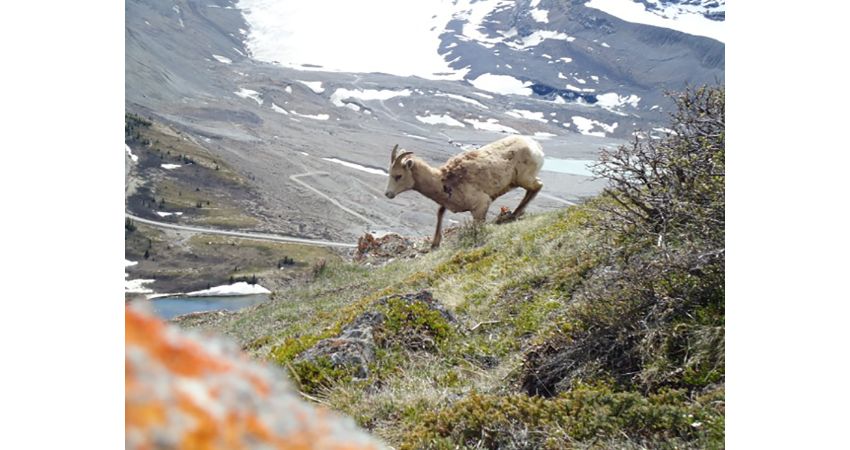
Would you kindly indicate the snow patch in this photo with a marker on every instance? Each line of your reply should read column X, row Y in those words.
column 585, row 126
column 341, row 94
column 502, row 84
column 170, row 166
column 166, row 214
column 179, row 15
column 490, row 125
column 276, row 108
column 133, row 157
column 540, row 15
column 463, row 99
column 357, row 166
column 137, row 286
column 528, row 115
column 416, row 137
column 614, row 100
column 534, row 39
column 312, row 116
column 315, row 86
column 544, row 135
column 433, row 119
column 240, row 288
column 223, row 59
column 578, row 89
column 248, row 93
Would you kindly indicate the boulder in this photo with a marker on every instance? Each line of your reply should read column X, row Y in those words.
column 185, row 390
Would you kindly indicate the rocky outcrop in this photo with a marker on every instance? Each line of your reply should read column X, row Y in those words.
column 373, row 250
column 386, row 322
column 354, row 347
column 190, row 391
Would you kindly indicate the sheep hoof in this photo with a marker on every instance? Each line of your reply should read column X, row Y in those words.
column 506, row 217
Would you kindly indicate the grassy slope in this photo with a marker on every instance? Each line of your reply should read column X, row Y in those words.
column 204, row 189
column 182, row 264
column 194, row 262
column 513, row 288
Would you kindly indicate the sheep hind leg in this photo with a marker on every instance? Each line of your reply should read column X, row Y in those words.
column 530, row 193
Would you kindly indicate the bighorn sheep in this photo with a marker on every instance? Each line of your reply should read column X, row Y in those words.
column 471, row 180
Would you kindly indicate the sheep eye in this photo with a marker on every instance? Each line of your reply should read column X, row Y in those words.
column 397, row 177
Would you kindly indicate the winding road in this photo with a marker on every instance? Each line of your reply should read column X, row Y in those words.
column 242, row 234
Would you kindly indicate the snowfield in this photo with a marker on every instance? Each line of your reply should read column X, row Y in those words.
column 686, row 20
column 295, row 33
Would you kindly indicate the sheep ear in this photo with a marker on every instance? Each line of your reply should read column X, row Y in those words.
column 408, row 163
column 393, row 154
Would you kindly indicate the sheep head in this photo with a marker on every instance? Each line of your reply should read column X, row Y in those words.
column 400, row 173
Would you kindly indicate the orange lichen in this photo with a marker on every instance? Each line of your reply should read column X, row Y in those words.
column 192, row 395
column 182, row 357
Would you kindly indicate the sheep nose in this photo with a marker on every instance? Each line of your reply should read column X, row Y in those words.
column 390, row 194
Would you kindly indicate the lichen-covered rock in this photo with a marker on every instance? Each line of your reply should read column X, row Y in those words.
column 415, row 321
column 185, row 390
column 354, row 347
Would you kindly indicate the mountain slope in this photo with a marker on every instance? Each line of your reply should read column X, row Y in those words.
column 580, row 81
column 598, row 325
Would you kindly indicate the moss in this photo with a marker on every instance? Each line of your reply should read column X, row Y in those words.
column 315, row 375
column 292, row 346
column 412, row 324
column 579, row 418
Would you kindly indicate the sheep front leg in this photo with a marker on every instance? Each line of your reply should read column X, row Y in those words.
column 438, row 235
column 479, row 212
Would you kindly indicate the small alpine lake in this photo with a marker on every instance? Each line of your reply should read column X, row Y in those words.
column 170, row 307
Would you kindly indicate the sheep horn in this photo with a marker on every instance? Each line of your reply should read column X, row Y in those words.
column 392, row 155
column 402, row 154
